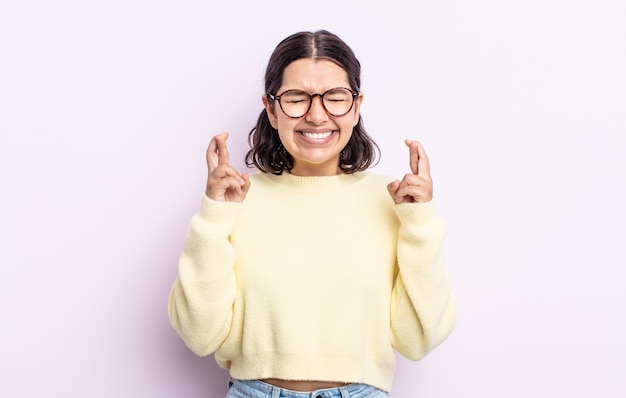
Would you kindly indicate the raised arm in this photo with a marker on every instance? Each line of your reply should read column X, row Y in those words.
column 201, row 300
column 422, row 310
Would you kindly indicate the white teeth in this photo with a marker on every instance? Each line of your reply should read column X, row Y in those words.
column 317, row 136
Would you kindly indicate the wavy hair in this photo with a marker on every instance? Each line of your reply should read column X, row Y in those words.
column 267, row 152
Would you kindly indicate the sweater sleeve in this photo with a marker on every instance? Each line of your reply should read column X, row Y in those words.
column 422, row 306
column 201, row 300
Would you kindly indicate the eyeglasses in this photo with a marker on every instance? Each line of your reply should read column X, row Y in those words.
column 296, row 103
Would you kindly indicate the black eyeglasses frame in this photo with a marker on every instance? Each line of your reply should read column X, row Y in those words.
column 273, row 97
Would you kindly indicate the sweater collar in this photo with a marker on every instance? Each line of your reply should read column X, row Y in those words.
column 315, row 184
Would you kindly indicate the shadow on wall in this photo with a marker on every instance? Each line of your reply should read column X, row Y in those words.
column 177, row 372
column 183, row 373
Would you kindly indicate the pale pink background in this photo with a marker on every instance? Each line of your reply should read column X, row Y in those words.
column 105, row 112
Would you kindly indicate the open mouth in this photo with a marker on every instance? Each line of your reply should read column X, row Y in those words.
column 316, row 136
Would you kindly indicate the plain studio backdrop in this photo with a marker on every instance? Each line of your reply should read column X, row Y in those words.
column 106, row 109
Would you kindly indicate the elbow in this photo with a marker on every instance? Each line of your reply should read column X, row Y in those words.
column 443, row 328
column 200, row 341
column 419, row 339
column 199, row 334
column 200, row 347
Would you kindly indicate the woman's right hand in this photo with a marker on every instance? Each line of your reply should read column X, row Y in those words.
column 224, row 183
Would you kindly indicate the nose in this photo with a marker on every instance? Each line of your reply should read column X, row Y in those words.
column 317, row 114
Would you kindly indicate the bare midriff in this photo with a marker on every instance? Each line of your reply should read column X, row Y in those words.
column 302, row 385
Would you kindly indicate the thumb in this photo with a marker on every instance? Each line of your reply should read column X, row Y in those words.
column 246, row 185
column 392, row 188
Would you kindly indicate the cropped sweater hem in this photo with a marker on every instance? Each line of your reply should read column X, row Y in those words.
column 319, row 367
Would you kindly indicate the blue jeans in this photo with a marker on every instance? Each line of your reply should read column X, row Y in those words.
column 259, row 389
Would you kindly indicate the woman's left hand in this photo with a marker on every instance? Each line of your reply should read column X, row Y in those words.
column 417, row 186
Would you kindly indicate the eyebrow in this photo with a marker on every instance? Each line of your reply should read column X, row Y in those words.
column 312, row 93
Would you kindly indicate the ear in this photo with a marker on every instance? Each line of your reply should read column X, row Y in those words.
column 271, row 112
column 357, row 109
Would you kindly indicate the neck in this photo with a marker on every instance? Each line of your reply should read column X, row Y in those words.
column 315, row 171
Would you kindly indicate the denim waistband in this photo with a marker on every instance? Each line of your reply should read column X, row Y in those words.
column 259, row 389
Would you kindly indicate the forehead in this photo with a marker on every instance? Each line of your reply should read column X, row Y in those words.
column 314, row 75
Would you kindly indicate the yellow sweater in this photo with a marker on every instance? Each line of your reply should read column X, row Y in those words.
column 313, row 278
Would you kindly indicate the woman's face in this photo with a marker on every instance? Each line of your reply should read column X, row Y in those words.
column 316, row 139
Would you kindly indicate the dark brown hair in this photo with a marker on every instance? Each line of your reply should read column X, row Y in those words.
column 267, row 152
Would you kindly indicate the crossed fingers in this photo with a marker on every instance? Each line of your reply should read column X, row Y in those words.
column 418, row 185
column 224, row 182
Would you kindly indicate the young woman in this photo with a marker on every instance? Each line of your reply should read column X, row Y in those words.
column 305, row 276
